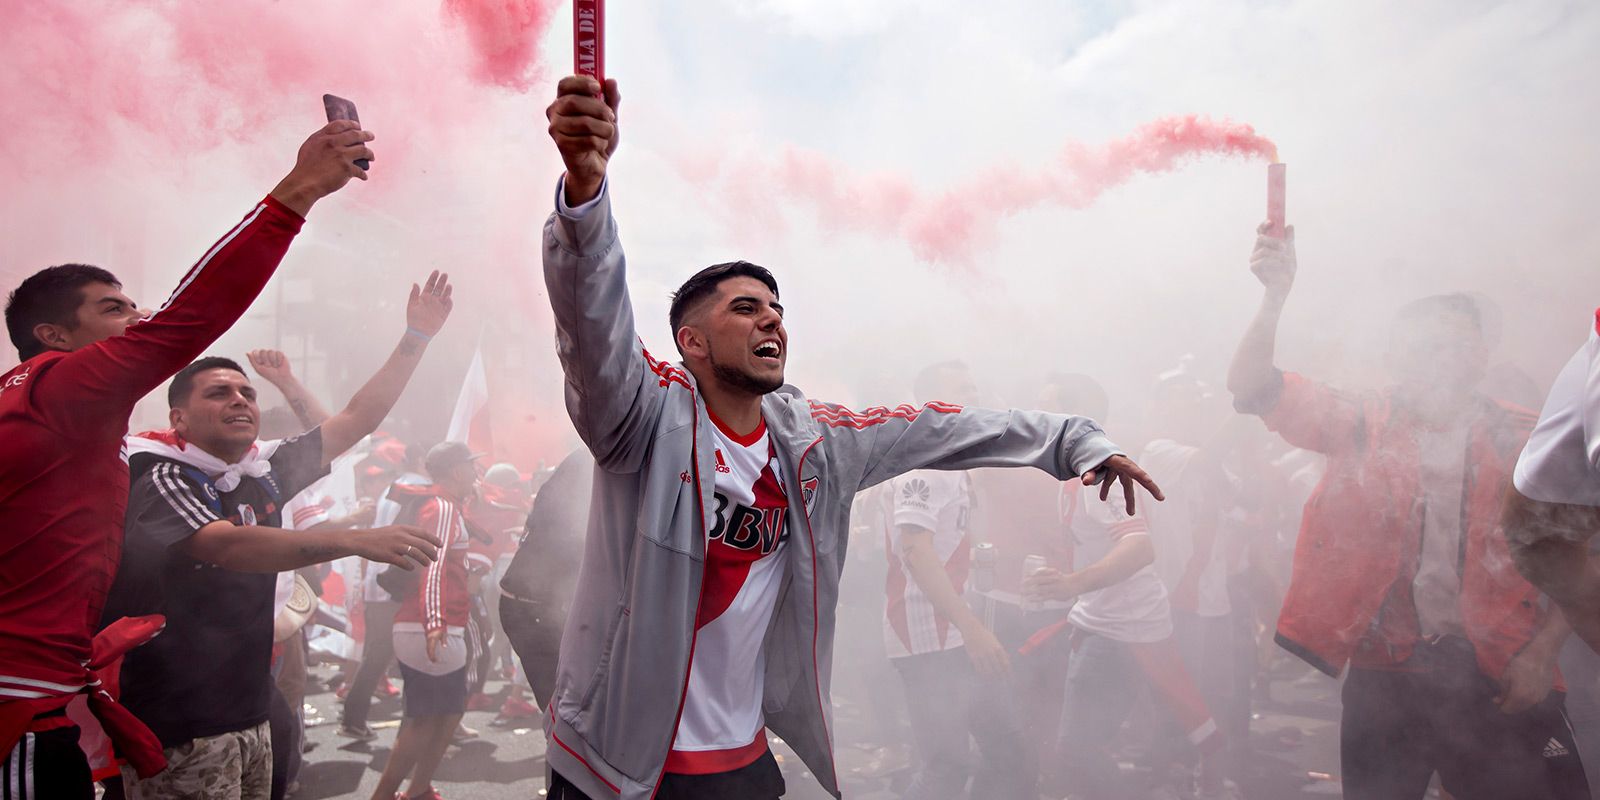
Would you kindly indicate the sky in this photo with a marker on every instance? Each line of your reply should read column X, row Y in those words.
column 1432, row 146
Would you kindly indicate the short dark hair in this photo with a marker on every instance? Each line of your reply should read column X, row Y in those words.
column 183, row 383
column 51, row 295
column 704, row 283
column 926, row 386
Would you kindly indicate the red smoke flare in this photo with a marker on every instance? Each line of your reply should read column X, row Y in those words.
column 948, row 226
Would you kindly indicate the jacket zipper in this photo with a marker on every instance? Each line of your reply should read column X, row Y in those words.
column 816, row 613
column 694, row 634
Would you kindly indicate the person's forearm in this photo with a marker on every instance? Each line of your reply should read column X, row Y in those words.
column 302, row 402
column 1253, row 368
column 1131, row 554
column 930, row 577
column 254, row 548
column 367, row 409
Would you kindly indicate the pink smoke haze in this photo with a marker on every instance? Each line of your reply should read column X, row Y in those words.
column 85, row 75
column 949, row 226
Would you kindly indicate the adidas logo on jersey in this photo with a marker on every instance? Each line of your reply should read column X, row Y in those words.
column 1554, row 749
column 722, row 466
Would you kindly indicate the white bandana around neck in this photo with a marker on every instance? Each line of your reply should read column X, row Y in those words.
column 168, row 444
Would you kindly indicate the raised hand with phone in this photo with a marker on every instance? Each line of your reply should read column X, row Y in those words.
column 325, row 163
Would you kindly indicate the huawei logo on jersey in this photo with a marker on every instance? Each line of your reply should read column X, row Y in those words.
column 915, row 492
column 745, row 528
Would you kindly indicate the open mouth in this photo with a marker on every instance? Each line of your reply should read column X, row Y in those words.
column 238, row 418
column 769, row 349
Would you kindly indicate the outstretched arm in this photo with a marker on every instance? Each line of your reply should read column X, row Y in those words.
column 273, row 365
column 96, row 385
column 253, row 548
column 426, row 313
column 1253, row 372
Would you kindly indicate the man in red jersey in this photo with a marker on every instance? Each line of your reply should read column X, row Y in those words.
column 88, row 355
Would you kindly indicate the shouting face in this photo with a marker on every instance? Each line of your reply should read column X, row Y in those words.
column 220, row 414
column 738, row 334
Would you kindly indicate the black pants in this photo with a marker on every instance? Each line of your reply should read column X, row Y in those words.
column 46, row 766
column 377, row 653
column 534, row 630
column 1399, row 728
column 760, row 780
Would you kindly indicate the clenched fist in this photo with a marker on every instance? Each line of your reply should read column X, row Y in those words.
column 583, row 123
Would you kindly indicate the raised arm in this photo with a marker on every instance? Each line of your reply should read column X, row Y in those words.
column 1253, row 372
column 613, row 390
column 426, row 313
column 273, row 365
column 99, row 382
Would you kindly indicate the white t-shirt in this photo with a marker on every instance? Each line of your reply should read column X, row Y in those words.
column 1561, row 462
column 940, row 502
column 1173, row 524
column 1436, row 590
column 722, row 725
column 1135, row 610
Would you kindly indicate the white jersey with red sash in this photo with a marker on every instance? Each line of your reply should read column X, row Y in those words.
column 722, row 728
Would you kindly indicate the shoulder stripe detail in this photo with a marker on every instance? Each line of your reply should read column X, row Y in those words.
column 666, row 372
column 178, row 496
column 836, row 416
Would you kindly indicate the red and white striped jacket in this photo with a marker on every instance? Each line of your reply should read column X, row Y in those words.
column 442, row 599
column 63, row 480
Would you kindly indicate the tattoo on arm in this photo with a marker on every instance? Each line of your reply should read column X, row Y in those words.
column 319, row 552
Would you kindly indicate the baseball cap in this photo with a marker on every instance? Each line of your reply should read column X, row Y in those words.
column 445, row 455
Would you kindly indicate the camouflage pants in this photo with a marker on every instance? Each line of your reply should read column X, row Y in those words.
column 232, row 766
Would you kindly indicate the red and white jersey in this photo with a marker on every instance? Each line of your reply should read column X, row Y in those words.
column 442, row 600
column 1135, row 610
column 722, row 727
column 1561, row 462
column 940, row 502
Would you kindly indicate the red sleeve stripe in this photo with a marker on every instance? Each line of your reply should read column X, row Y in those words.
column 210, row 254
column 836, row 416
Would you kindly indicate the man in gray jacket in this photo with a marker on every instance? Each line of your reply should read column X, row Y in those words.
column 704, row 612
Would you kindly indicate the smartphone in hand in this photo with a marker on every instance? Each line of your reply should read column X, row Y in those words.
column 340, row 108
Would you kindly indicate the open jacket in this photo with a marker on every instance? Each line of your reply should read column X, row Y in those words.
column 627, row 645
column 1349, row 599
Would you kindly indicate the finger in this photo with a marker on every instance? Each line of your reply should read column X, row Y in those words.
column 1088, row 477
column 613, row 96
column 350, row 138
column 579, row 144
column 339, row 126
column 429, row 287
column 427, row 537
column 1266, row 225
column 1105, row 486
column 580, row 107
column 1148, row 483
column 582, row 126
column 423, row 552
column 416, row 293
column 1127, row 492
column 358, row 152
column 578, row 85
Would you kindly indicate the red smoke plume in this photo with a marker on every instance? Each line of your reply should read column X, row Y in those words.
column 947, row 226
column 82, row 74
